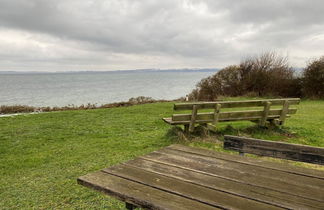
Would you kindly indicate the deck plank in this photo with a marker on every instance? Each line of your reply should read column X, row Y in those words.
column 252, row 161
column 274, row 175
column 188, row 190
column 226, row 171
column 181, row 177
column 224, row 185
column 138, row 194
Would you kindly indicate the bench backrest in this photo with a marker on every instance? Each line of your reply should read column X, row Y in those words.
column 219, row 115
column 234, row 104
column 282, row 150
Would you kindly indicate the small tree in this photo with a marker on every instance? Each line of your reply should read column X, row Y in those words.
column 267, row 75
column 313, row 79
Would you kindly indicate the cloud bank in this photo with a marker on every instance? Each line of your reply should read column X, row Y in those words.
column 65, row 35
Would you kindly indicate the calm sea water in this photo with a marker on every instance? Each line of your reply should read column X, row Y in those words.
column 60, row 89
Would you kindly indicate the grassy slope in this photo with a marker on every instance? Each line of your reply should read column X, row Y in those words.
column 42, row 155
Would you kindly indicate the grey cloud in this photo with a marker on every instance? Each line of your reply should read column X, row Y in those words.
column 200, row 33
column 142, row 27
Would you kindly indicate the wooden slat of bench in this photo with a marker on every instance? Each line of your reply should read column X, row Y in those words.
column 224, row 185
column 188, row 190
column 275, row 149
column 240, row 174
column 138, row 194
column 234, row 104
column 171, row 122
column 251, row 161
column 225, row 116
column 168, row 120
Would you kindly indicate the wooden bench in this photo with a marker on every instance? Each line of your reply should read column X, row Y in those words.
column 276, row 116
column 180, row 177
column 282, row 150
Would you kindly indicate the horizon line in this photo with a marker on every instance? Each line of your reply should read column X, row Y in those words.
column 103, row 71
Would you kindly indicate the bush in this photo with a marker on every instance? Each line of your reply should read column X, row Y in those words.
column 15, row 109
column 266, row 75
column 141, row 100
column 224, row 82
column 313, row 79
column 130, row 102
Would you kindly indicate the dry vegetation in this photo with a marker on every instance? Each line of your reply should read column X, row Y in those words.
column 132, row 101
column 267, row 75
column 313, row 79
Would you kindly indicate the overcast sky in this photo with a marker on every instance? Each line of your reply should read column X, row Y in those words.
column 65, row 35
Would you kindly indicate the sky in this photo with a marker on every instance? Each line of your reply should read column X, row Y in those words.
column 74, row 35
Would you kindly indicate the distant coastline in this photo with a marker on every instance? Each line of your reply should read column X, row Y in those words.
column 7, row 111
column 113, row 71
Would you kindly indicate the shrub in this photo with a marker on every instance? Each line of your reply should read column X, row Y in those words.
column 313, row 79
column 141, row 100
column 266, row 75
column 15, row 109
column 132, row 101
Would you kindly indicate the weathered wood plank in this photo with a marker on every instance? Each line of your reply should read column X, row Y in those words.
column 284, row 112
column 216, row 114
column 211, row 118
column 275, row 149
column 188, row 190
column 208, row 117
column 253, row 119
column 243, row 174
column 287, row 168
column 193, row 118
column 212, row 126
column 224, row 185
column 234, row 104
column 262, row 172
column 180, row 177
column 138, row 194
column 167, row 120
column 265, row 113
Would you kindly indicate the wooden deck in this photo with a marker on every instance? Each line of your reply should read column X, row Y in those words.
column 180, row 177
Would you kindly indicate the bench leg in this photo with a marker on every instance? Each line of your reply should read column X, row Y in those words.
column 130, row 206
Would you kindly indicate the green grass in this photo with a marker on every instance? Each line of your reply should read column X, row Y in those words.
column 42, row 155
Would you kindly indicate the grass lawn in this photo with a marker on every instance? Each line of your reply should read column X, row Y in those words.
column 42, row 155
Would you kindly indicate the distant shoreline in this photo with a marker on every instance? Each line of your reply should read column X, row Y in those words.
column 8, row 110
column 113, row 71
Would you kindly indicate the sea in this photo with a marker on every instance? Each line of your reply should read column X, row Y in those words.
column 77, row 88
